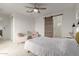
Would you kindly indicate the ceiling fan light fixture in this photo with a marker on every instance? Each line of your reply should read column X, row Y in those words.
column 36, row 10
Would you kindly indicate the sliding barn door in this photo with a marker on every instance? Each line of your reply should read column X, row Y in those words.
column 48, row 26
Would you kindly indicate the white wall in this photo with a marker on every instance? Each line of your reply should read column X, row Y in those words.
column 22, row 24
column 39, row 25
column 68, row 20
column 5, row 24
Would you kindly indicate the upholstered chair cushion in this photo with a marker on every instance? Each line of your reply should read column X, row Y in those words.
column 77, row 37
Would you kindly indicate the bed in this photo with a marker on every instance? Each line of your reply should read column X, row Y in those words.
column 44, row 46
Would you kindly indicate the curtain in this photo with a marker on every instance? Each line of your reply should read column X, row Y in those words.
column 57, row 26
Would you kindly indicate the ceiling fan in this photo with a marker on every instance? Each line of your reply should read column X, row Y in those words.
column 35, row 8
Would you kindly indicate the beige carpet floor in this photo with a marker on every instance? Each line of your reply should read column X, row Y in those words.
column 8, row 48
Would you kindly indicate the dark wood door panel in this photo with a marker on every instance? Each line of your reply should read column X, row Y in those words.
column 48, row 27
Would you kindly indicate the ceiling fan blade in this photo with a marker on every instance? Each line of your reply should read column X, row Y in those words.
column 29, row 7
column 29, row 11
column 42, row 8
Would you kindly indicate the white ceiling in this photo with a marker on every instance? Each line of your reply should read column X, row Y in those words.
column 10, row 8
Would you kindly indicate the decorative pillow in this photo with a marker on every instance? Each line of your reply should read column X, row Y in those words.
column 32, row 34
column 29, row 37
column 21, row 34
column 29, row 33
column 35, row 34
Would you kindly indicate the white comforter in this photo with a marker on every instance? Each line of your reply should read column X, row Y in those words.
column 44, row 46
